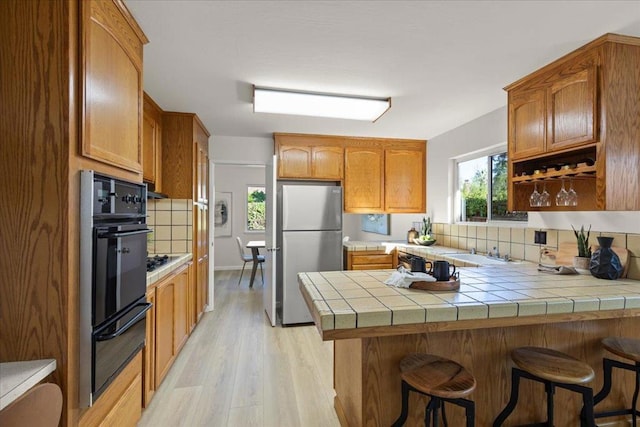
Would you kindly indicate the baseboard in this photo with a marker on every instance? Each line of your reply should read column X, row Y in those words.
column 617, row 423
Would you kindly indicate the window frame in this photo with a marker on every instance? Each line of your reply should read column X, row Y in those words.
column 246, row 208
column 457, row 198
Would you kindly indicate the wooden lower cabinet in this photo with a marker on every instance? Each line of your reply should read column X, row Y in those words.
column 169, row 324
column 127, row 410
column 149, row 352
column 370, row 260
column 121, row 403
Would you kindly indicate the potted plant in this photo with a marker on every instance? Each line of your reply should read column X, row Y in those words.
column 426, row 237
column 584, row 250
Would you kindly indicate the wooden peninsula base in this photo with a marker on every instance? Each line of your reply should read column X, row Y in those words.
column 367, row 380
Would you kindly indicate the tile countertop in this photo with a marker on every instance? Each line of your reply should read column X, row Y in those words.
column 402, row 245
column 342, row 302
column 16, row 378
column 175, row 261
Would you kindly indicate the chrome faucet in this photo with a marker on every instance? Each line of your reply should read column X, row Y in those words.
column 496, row 252
column 473, row 251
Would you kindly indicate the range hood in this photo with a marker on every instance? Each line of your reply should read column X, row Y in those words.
column 154, row 195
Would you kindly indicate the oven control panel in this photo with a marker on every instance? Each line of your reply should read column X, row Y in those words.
column 115, row 197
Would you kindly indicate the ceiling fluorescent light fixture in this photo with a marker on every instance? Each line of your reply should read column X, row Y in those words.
column 282, row 101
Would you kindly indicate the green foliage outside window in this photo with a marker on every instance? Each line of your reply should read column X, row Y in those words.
column 256, row 210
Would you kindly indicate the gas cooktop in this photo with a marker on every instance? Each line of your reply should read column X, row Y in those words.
column 156, row 261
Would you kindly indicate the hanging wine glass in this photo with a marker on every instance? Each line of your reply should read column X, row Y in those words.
column 572, row 196
column 545, row 198
column 562, row 196
column 534, row 199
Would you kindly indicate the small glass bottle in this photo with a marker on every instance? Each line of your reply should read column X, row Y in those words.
column 412, row 234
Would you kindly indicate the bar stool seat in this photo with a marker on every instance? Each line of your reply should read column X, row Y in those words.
column 626, row 348
column 554, row 369
column 441, row 379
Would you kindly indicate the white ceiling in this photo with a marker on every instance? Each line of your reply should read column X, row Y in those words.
column 443, row 63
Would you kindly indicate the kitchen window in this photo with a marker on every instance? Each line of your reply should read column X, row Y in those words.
column 256, row 197
column 482, row 190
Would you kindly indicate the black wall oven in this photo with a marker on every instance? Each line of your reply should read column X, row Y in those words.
column 113, row 245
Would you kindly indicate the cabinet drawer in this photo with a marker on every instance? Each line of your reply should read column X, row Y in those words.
column 372, row 266
column 372, row 259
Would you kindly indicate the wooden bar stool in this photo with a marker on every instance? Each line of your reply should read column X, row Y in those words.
column 553, row 369
column 441, row 379
column 627, row 348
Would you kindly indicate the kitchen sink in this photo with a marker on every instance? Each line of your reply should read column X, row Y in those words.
column 479, row 259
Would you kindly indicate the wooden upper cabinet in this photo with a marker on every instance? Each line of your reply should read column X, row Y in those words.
column 294, row 161
column 363, row 179
column 316, row 157
column 112, row 85
column 326, row 162
column 152, row 143
column 572, row 114
column 527, row 124
column 185, row 143
column 404, row 180
column 591, row 133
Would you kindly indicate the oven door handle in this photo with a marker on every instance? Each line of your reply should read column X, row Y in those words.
column 147, row 306
column 123, row 234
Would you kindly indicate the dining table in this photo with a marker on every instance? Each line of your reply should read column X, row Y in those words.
column 255, row 246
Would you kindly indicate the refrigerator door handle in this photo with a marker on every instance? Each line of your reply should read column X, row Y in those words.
column 273, row 249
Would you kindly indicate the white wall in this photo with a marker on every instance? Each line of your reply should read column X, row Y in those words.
column 241, row 150
column 480, row 134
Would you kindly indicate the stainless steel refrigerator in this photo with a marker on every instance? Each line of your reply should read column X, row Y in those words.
column 309, row 233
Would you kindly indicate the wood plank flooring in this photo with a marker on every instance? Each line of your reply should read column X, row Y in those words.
column 236, row 370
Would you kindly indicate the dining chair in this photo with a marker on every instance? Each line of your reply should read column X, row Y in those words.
column 40, row 406
column 248, row 258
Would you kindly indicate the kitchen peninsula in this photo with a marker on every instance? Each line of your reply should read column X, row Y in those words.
column 496, row 309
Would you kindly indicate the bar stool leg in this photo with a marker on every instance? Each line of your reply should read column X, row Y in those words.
column 431, row 412
column 515, row 386
column 470, row 409
column 444, row 415
column 634, row 411
column 586, row 415
column 550, row 389
column 606, row 386
column 405, row 406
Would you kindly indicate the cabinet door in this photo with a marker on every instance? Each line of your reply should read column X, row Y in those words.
column 326, row 162
column 404, row 181
column 112, row 90
column 180, row 310
column 164, row 328
column 572, row 110
column 150, row 351
column 202, row 287
column 527, row 124
column 151, row 143
column 363, row 180
column 294, row 161
column 127, row 410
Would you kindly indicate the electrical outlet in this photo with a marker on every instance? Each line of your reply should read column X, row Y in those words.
column 540, row 237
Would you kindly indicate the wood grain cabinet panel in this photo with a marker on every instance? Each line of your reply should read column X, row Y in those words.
column 127, row 410
column 404, row 180
column 180, row 311
column 369, row 260
column 527, row 124
column 294, row 161
column 152, row 144
column 112, row 89
column 300, row 161
column 326, row 162
column 363, row 179
column 579, row 112
column 572, row 102
column 149, row 372
column 165, row 303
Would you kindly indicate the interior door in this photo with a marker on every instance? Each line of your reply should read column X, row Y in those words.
column 271, row 255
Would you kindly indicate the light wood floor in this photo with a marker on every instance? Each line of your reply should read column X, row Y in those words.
column 236, row 370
